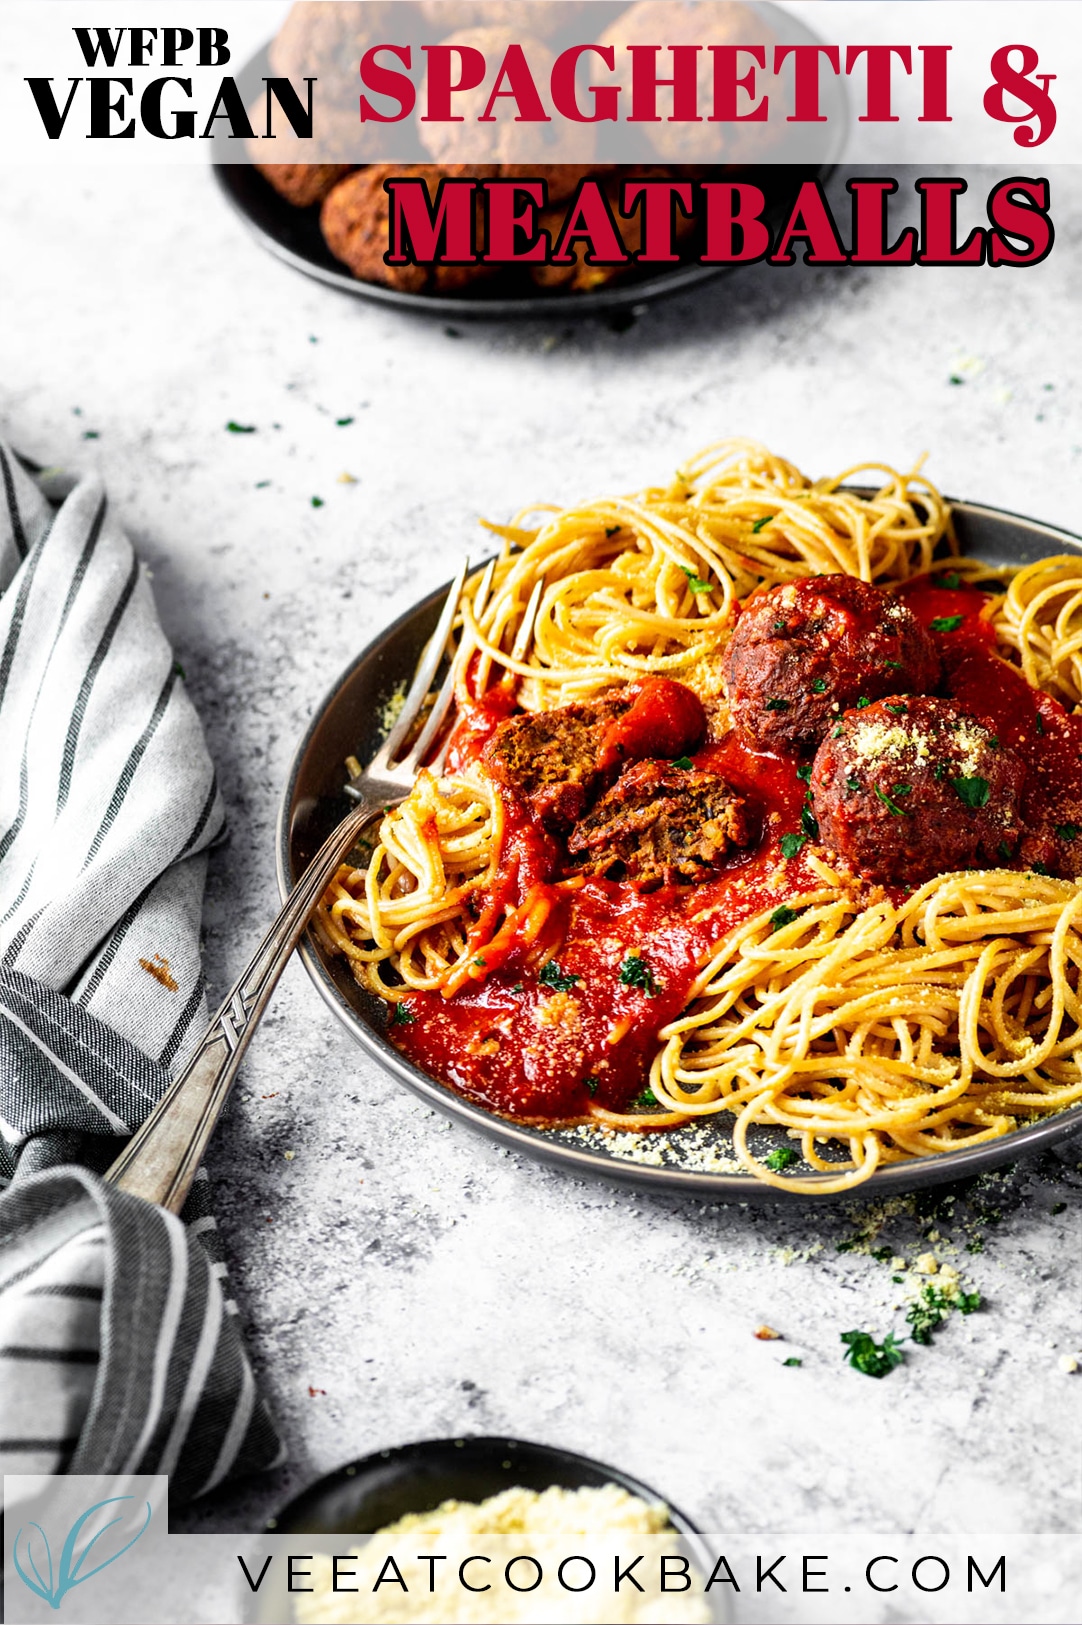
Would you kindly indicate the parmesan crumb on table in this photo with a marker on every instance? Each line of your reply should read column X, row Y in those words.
column 1067, row 1363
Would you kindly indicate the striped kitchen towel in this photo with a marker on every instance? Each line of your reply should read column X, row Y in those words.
column 119, row 1348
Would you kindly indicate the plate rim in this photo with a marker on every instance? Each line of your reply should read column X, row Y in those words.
column 542, row 1145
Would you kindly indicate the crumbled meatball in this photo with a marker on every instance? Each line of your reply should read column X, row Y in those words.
column 660, row 824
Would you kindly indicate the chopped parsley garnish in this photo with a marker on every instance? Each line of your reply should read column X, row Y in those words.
column 862, row 702
column 818, row 685
column 550, row 975
column 779, row 626
column 480, row 961
column 1041, row 869
column 783, row 915
column 891, row 806
column 635, row 972
column 804, row 772
column 343, row 422
column 852, row 784
column 612, row 530
column 809, row 824
column 898, row 710
column 682, row 762
column 179, row 669
column 791, row 844
column 696, row 583
column 519, row 987
column 838, row 731
column 883, row 1255
column 1004, row 851
column 1040, row 726
column 993, row 743
column 401, row 1016
column 781, row 1157
column 973, row 792
column 952, row 581
column 591, row 1087
column 1068, row 832
column 874, row 1359
column 759, row 524
column 792, row 1360
column 240, row 428
column 933, row 1306
column 946, row 623
column 647, row 1098
column 777, row 705
column 893, row 665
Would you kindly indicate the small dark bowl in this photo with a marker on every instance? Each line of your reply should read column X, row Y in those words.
column 371, row 1493
column 346, row 723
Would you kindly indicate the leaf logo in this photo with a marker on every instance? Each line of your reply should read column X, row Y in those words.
column 69, row 1571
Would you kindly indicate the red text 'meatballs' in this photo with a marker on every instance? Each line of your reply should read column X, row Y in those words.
column 913, row 787
column 804, row 652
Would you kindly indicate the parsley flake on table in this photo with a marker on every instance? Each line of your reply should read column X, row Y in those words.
column 401, row 1016
column 635, row 972
column 972, row 791
column 696, row 583
column 946, row 623
column 317, row 502
column 551, row 976
column 791, row 844
column 793, row 1360
column 782, row 915
column 647, row 1098
column 343, row 422
column 782, row 1156
column 874, row 1359
column 240, row 428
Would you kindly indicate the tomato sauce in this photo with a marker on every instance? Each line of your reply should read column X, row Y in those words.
column 539, row 1041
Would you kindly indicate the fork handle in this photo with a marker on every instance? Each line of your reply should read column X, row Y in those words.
column 161, row 1158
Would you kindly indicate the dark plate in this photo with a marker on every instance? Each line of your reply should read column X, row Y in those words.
column 293, row 234
column 346, row 724
column 371, row 1493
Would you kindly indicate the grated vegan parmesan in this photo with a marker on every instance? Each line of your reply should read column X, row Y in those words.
column 550, row 1527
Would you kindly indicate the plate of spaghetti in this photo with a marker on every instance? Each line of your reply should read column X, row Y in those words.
column 752, row 857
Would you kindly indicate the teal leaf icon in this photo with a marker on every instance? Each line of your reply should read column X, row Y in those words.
column 69, row 1570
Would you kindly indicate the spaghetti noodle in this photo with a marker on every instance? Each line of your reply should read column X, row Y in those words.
column 871, row 1025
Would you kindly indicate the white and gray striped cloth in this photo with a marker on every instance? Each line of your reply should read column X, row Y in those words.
column 119, row 1351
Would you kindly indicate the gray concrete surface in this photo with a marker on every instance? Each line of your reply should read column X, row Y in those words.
column 398, row 1277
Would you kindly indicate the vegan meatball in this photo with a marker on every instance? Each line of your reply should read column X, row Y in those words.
column 913, row 787
column 804, row 652
column 661, row 824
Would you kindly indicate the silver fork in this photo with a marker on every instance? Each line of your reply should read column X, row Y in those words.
column 160, row 1160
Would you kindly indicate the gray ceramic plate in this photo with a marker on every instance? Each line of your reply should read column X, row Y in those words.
column 346, row 724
